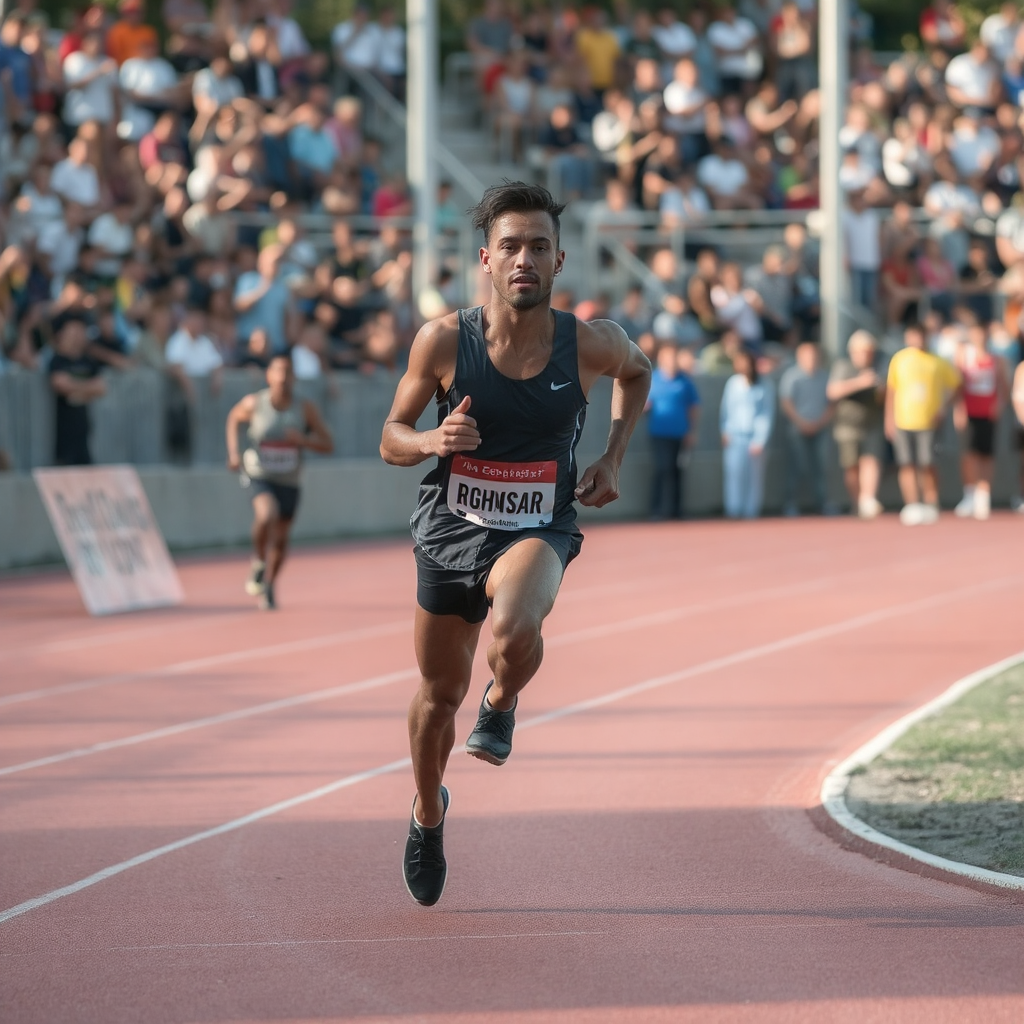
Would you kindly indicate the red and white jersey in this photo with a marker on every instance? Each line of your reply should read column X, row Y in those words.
column 981, row 383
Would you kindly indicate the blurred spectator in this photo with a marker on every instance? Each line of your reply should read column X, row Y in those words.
column 856, row 386
column 792, row 42
column 774, row 286
column 919, row 389
column 804, row 401
column 726, row 178
column 74, row 378
column 489, row 39
column 673, row 407
column 736, row 44
column 91, row 79
column 190, row 355
column 737, row 307
column 942, row 27
column 598, row 48
column 391, row 53
column 862, row 232
column 745, row 422
column 986, row 387
column 973, row 81
column 514, row 107
column 263, row 300
column 570, row 161
column 1017, row 400
column 129, row 37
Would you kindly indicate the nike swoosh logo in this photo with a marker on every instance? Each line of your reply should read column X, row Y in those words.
column 558, row 387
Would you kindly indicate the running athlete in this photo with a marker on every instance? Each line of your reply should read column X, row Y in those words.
column 280, row 428
column 986, row 388
column 495, row 525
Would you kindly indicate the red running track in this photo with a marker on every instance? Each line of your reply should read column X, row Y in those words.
column 646, row 855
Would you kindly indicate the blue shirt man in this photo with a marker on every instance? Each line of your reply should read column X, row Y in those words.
column 673, row 406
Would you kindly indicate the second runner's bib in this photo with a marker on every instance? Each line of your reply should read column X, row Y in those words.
column 503, row 495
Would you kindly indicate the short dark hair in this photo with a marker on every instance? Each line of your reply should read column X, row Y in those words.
column 514, row 197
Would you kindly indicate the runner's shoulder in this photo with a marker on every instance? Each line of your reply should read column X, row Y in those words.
column 437, row 342
column 601, row 341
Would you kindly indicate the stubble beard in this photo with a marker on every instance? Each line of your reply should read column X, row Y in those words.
column 521, row 301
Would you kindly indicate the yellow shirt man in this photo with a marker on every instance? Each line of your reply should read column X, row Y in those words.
column 599, row 49
column 920, row 384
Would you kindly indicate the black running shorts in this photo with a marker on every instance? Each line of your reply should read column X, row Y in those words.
column 287, row 497
column 463, row 592
column 981, row 436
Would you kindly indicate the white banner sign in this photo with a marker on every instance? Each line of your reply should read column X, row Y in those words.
column 109, row 537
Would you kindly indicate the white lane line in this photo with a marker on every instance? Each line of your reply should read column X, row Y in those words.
column 201, row 723
column 833, row 789
column 213, row 661
column 750, row 654
column 257, row 944
column 559, row 640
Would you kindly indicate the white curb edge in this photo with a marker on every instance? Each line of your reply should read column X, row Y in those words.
column 833, row 789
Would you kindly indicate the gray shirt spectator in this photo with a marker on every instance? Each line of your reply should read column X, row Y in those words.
column 806, row 391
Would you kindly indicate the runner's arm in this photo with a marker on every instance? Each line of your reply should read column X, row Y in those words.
column 240, row 413
column 608, row 352
column 431, row 364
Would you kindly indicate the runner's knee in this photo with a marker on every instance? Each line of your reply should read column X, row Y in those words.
column 516, row 637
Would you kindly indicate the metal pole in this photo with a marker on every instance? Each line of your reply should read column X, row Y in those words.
column 833, row 55
column 421, row 136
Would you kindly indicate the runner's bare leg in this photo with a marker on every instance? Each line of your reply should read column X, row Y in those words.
column 265, row 515
column 277, row 547
column 445, row 646
column 522, row 588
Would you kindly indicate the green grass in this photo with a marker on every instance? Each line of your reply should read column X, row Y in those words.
column 954, row 783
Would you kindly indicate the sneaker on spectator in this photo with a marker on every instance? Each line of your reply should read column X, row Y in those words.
column 869, row 508
column 1017, row 504
column 912, row 514
column 965, row 509
column 982, row 504
column 929, row 514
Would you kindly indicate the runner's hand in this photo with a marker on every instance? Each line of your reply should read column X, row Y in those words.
column 457, row 432
column 234, row 462
column 599, row 484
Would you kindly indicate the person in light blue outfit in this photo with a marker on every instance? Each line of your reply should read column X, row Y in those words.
column 745, row 419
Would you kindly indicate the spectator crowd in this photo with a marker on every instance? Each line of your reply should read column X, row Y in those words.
column 157, row 190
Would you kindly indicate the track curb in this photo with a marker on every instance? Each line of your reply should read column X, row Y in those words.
column 834, row 817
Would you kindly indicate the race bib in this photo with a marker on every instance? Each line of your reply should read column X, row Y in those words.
column 276, row 458
column 503, row 495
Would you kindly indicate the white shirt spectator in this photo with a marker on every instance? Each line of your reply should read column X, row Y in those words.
column 973, row 148
column 721, row 176
column 149, row 77
column 732, row 36
column 198, row 357
column 61, row 245
column 76, row 183
column 863, row 237
column 391, row 55
column 973, row 78
column 679, row 96
column 998, row 33
column 675, row 40
column 291, row 43
column 37, row 209
column 904, row 162
column 1011, row 227
column 92, row 102
column 357, row 48
column 305, row 363
column 114, row 239
column 736, row 312
column 948, row 197
column 682, row 206
column 221, row 90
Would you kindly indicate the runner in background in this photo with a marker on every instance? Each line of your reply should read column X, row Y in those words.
column 280, row 429
column 985, row 390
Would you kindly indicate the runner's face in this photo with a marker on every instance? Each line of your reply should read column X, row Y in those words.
column 522, row 257
column 279, row 376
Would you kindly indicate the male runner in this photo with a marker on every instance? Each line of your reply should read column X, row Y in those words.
column 495, row 524
column 279, row 429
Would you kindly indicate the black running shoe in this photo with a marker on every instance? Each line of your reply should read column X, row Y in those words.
column 491, row 740
column 267, row 602
column 424, row 868
column 254, row 584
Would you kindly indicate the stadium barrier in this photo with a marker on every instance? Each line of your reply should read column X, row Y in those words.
column 353, row 493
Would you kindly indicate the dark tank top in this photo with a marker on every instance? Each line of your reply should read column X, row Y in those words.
column 522, row 478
